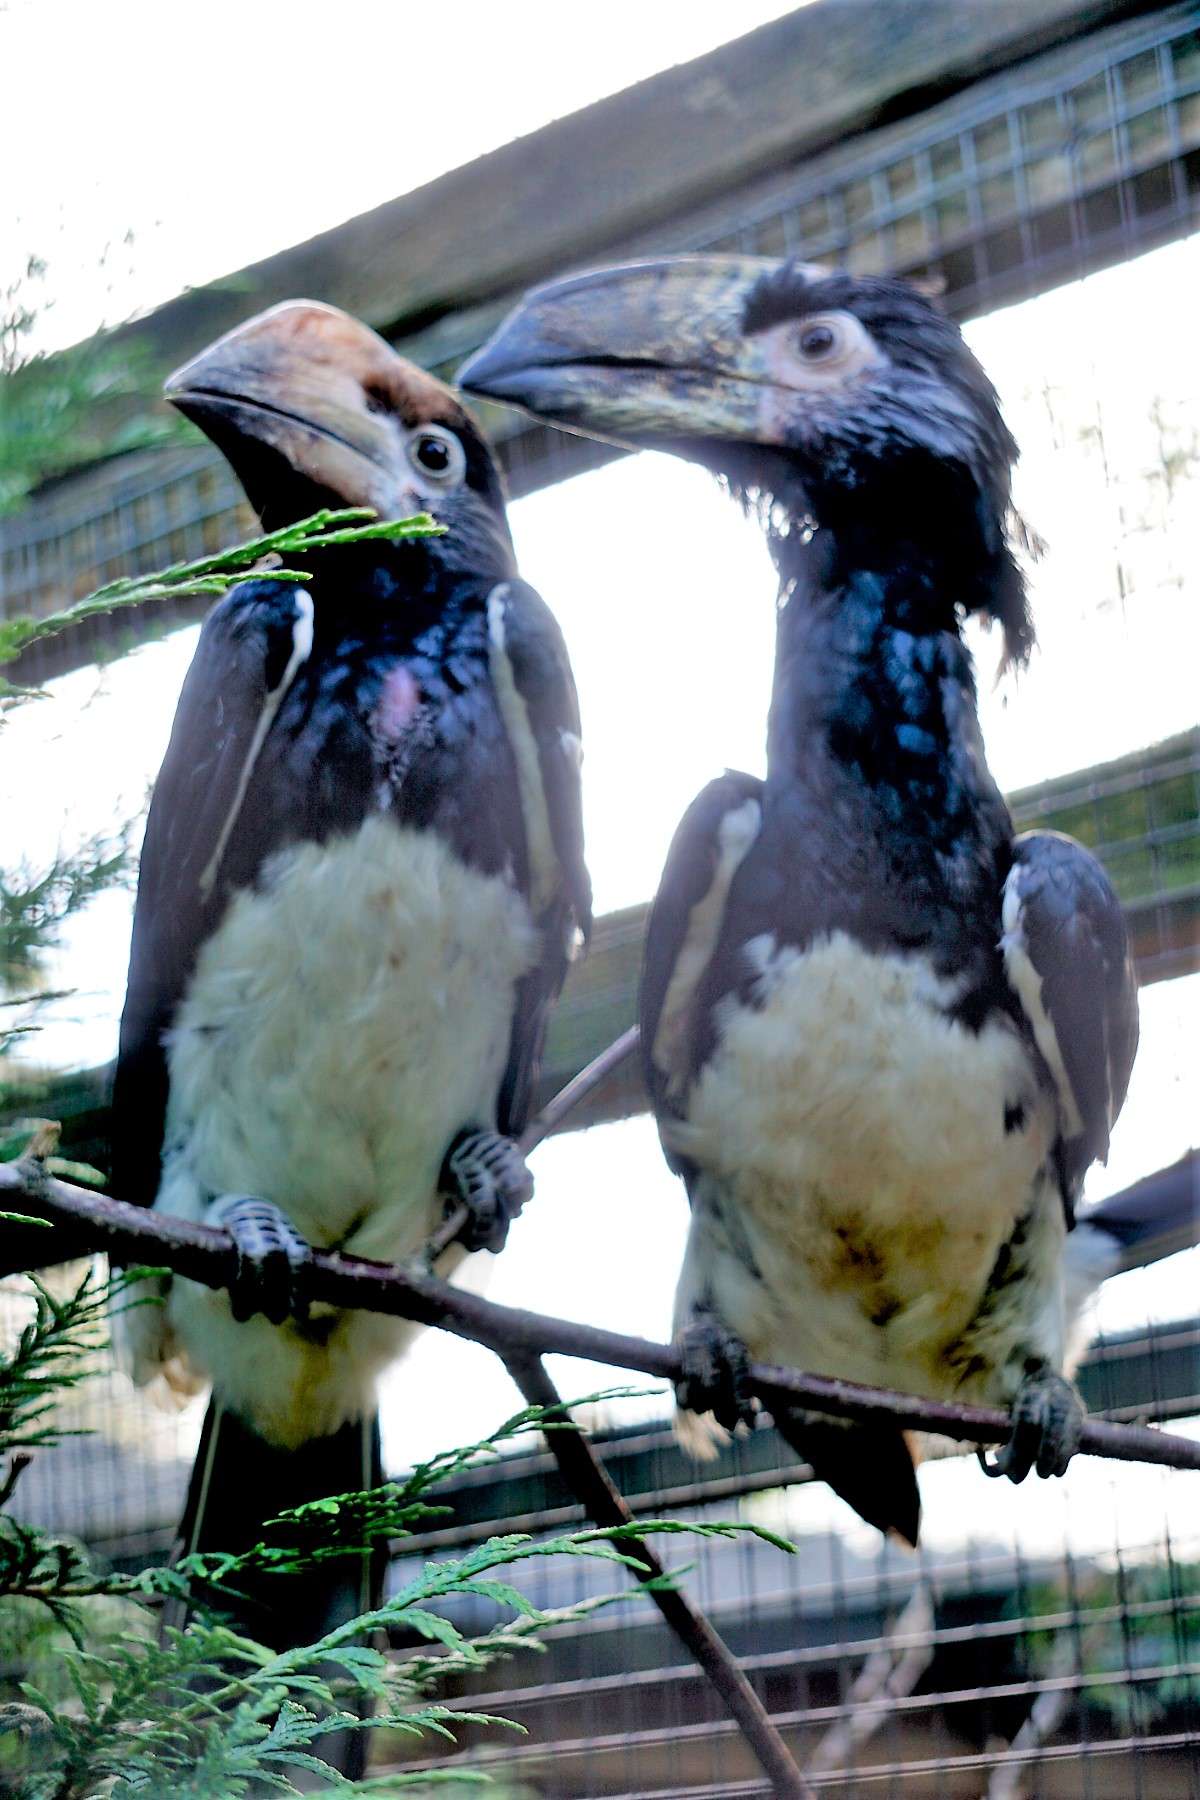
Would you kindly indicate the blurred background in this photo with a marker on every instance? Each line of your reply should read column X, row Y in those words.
column 183, row 170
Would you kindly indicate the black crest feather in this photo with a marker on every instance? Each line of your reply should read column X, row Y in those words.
column 931, row 404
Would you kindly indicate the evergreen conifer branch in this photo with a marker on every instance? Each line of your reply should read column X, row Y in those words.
column 206, row 1713
column 208, row 577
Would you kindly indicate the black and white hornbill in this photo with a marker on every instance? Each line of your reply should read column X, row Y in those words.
column 361, row 882
column 884, row 1037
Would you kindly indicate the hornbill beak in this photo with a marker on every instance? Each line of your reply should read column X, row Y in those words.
column 649, row 354
column 304, row 391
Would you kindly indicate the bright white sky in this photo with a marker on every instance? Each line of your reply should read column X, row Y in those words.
column 220, row 133
column 648, row 569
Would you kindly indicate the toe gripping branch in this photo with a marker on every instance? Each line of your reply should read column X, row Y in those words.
column 82, row 1220
column 715, row 1376
column 486, row 1175
column 1047, row 1424
column 273, row 1260
column 456, row 1226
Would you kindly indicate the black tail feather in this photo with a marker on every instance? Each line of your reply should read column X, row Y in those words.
column 238, row 1482
column 872, row 1467
column 1155, row 1217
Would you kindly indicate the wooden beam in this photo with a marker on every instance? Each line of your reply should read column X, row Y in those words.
column 1141, row 814
column 791, row 88
column 760, row 187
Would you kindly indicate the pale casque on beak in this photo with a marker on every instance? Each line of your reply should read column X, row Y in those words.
column 313, row 408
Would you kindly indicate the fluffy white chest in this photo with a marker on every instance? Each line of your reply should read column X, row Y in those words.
column 347, row 1017
column 345, row 1020
column 867, row 1157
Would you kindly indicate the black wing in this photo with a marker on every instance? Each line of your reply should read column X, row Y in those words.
column 1066, row 954
column 713, row 838
column 540, row 707
column 250, row 647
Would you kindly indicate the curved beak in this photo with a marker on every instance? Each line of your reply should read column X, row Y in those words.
column 651, row 353
column 295, row 383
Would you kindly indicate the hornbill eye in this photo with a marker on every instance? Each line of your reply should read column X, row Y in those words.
column 818, row 341
column 437, row 456
column 433, row 455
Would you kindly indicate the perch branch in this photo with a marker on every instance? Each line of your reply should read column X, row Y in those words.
column 132, row 1234
column 583, row 1472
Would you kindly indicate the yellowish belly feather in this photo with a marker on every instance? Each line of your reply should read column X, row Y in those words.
column 856, row 1138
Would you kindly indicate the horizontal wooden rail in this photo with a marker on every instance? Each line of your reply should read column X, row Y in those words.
column 1117, row 808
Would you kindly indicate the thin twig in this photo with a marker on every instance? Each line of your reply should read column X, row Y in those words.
column 132, row 1234
column 888, row 1675
column 586, row 1476
column 1049, row 1708
column 578, row 1089
column 548, row 1120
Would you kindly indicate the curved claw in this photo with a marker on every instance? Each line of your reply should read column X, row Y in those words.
column 487, row 1174
column 1047, row 1418
column 716, row 1372
column 272, row 1260
column 1006, row 1462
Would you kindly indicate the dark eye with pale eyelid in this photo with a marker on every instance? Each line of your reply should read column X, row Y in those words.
column 437, row 455
column 817, row 342
column 432, row 454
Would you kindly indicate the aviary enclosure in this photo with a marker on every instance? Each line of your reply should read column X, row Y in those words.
column 1048, row 1647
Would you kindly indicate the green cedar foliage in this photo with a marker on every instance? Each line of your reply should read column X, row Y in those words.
column 203, row 1713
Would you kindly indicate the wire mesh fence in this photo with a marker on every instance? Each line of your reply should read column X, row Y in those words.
column 1041, row 1643
column 1077, row 159
column 1141, row 817
column 1001, row 1661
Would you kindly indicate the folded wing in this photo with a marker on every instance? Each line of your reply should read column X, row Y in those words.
column 1066, row 954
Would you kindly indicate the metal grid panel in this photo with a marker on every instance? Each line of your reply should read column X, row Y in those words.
column 976, row 1669
column 1076, row 160
column 120, row 1486
column 888, row 1674
column 1141, row 817
column 1033, row 173
column 127, row 517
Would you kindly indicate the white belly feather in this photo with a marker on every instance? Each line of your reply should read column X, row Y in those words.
column 852, row 1148
column 348, row 1016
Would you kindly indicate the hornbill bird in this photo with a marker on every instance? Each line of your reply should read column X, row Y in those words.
column 884, row 1037
column 361, row 883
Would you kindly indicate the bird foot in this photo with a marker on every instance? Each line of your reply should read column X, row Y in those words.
column 273, row 1260
column 716, row 1372
column 487, row 1174
column 1047, row 1418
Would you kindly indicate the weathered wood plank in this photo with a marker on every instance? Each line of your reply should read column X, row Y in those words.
column 1129, row 811
column 780, row 93
column 767, row 208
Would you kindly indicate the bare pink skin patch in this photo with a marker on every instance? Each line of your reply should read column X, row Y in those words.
column 398, row 704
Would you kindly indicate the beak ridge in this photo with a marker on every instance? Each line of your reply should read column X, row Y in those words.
column 291, row 382
column 645, row 354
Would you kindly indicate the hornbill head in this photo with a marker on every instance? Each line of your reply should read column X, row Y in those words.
column 850, row 399
column 313, row 409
